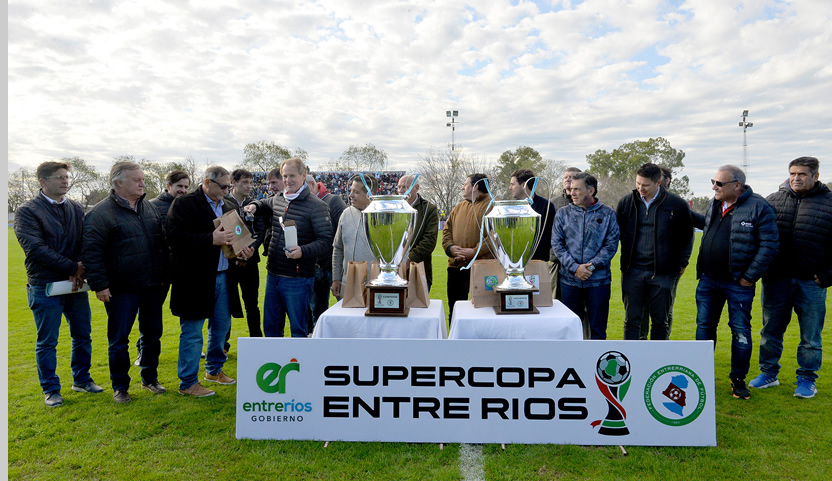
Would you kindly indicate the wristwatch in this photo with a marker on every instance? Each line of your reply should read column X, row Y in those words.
column 591, row 268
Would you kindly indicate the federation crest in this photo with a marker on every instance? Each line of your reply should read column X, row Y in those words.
column 674, row 395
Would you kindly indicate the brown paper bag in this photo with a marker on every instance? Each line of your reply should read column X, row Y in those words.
column 537, row 272
column 353, row 290
column 485, row 275
column 417, row 286
column 232, row 222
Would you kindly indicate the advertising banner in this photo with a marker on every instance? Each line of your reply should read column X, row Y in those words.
column 651, row 393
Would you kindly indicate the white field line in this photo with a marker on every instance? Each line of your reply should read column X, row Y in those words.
column 470, row 462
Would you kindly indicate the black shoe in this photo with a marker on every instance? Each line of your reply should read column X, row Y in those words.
column 740, row 390
column 53, row 399
column 88, row 386
column 154, row 387
column 121, row 397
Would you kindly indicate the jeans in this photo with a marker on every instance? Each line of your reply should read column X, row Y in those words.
column 47, row 312
column 459, row 286
column 248, row 278
column 190, row 338
column 808, row 300
column 711, row 295
column 647, row 297
column 320, row 296
column 591, row 304
column 287, row 296
column 121, row 314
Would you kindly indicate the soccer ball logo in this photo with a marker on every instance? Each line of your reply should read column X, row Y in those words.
column 613, row 368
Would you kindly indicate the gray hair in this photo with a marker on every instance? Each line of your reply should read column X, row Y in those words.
column 310, row 179
column 408, row 179
column 736, row 173
column 215, row 172
column 118, row 173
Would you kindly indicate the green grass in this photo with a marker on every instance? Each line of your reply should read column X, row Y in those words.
column 771, row 436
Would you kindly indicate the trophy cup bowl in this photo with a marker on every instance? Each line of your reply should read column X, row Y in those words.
column 512, row 230
column 390, row 222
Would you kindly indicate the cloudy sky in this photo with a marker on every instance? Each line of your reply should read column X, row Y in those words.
column 164, row 80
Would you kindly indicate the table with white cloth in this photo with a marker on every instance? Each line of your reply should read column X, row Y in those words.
column 555, row 322
column 350, row 322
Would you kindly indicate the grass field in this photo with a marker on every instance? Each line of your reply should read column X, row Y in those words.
column 771, row 436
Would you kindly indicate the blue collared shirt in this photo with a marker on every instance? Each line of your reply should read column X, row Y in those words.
column 217, row 208
column 648, row 202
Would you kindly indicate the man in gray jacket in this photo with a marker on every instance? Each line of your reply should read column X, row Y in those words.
column 351, row 242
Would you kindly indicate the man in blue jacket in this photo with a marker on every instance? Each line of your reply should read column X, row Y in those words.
column 799, row 276
column 49, row 229
column 585, row 239
column 738, row 245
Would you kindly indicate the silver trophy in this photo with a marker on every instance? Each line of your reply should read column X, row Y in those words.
column 390, row 222
column 513, row 231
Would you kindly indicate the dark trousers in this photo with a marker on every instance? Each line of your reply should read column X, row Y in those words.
column 647, row 297
column 121, row 314
column 320, row 296
column 247, row 277
column 645, row 324
column 592, row 305
column 459, row 285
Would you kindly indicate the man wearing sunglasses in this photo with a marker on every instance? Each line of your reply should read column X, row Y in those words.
column 739, row 243
column 200, row 288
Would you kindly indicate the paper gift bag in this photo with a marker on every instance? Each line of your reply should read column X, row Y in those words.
column 485, row 275
column 353, row 290
column 537, row 273
column 417, row 286
column 232, row 222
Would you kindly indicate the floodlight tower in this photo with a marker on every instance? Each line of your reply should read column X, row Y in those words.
column 745, row 125
column 452, row 114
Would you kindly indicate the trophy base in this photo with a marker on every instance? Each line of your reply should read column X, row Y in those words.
column 516, row 301
column 388, row 301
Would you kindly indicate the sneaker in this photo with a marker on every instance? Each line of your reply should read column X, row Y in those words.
column 154, row 387
column 740, row 391
column 53, row 399
column 805, row 388
column 197, row 390
column 121, row 397
column 763, row 381
column 220, row 378
column 88, row 386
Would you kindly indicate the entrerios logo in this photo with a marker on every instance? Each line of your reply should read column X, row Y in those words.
column 271, row 377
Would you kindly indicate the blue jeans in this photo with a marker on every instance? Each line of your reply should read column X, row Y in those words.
column 320, row 296
column 190, row 338
column 711, row 295
column 121, row 314
column 808, row 300
column 591, row 304
column 286, row 296
column 47, row 312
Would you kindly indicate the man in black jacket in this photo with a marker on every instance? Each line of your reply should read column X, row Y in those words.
column 199, row 290
column 520, row 186
column 799, row 276
column 49, row 229
column 127, row 259
column 738, row 245
column 323, row 268
column 655, row 230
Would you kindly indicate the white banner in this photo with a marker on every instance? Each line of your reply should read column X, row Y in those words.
column 479, row 391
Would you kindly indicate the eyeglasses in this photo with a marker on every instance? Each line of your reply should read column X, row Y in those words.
column 222, row 186
column 720, row 184
column 59, row 177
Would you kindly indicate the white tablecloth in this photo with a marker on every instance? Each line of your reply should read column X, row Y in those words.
column 555, row 322
column 341, row 322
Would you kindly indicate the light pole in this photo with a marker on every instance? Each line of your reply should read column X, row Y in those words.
column 745, row 125
column 452, row 114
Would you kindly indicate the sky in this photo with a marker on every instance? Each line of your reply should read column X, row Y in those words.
column 165, row 80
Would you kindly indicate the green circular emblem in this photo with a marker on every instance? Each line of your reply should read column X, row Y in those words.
column 675, row 395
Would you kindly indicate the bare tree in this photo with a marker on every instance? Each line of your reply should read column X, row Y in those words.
column 358, row 159
column 23, row 185
column 264, row 156
column 442, row 173
column 85, row 181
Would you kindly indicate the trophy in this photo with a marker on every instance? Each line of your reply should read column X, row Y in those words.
column 512, row 230
column 389, row 221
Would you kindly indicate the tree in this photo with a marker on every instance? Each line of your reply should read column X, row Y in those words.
column 359, row 159
column 442, row 173
column 23, row 185
column 700, row 204
column 264, row 156
column 521, row 158
column 85, row 181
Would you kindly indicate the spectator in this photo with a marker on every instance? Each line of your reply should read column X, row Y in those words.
column 351, row 243
column 427, row 222
column 127, row 262
column 738, row 245
column 585, row 239
column 799, row 276
column 461, row 237
column 656, row 230
column 49, row 229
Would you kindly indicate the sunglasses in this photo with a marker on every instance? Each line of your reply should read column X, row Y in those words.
column 720, row 184
column 222, row 186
